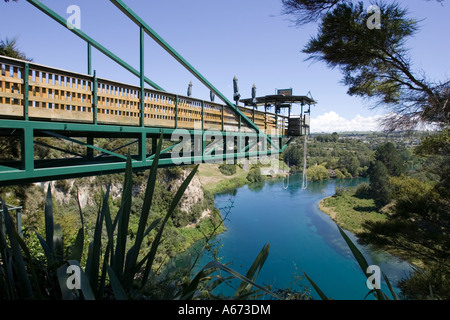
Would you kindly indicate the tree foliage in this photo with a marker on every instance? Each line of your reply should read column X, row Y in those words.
column 419, row 221
column 346, row 157
column 254, row 175
column 391, row 158
column 379, row 184
column 387, row 163
column 307, row 11
column 437, row 147
column 227, row 169
column 375, row 63
column 10, row 147
column 8, row 47
column 317, row 173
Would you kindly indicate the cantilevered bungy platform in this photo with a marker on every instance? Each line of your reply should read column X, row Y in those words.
column 297, row 125
column 39, row 101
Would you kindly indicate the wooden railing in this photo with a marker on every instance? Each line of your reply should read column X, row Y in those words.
column 36, row 92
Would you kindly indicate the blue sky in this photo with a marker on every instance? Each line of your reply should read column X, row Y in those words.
column 249, row 39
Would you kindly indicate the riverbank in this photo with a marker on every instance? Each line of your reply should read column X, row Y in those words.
column 351, row 212
column 214, row 181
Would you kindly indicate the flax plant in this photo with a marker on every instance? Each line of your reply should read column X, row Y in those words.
column 111, row 271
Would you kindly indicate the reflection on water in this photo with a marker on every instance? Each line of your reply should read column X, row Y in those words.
column 300, row 235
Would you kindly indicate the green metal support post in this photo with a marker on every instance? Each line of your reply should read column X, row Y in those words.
column 26, row 90
column 28, row 149
column 142, row 78
column 143, row 136
column 143, row 147
column 89, row 58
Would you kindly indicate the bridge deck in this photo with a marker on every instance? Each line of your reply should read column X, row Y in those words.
column 59, row 95
column 37, row 102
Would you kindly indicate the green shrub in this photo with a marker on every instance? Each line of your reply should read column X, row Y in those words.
column 254, row 175
column 227, row 169
column 317, row 173
column 175, row 172
column 63, row 185
column 363, row 191
column 339, row 174
column 339, row 191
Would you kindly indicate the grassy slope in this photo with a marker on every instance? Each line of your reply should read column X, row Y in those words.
column 213, row 180
column 349, row 211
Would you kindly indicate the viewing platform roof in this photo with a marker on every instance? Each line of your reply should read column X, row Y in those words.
column 278, row 99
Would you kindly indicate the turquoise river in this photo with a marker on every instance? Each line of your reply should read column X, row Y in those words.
column 301, row 238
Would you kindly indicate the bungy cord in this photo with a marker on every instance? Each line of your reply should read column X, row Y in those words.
column 305, row 177
column 287, row 185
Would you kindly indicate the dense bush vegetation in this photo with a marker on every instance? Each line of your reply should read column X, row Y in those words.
column 343, row 157
column 227, row 169
column 317, row 172
column 254, row 175
column 409, row 192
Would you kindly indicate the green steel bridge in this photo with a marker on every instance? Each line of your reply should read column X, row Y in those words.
column 38, row 101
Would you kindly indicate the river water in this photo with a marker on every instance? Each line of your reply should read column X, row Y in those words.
column 301, row 238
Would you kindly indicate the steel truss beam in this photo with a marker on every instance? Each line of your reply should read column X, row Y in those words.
column 186, row 147
column 226, row 146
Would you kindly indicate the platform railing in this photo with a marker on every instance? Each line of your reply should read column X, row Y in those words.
column 30, row 91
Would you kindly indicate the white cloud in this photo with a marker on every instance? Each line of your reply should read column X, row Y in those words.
column 332, row 122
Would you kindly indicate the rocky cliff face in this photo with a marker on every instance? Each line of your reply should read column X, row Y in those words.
column 64, row 191
column 193, row 194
